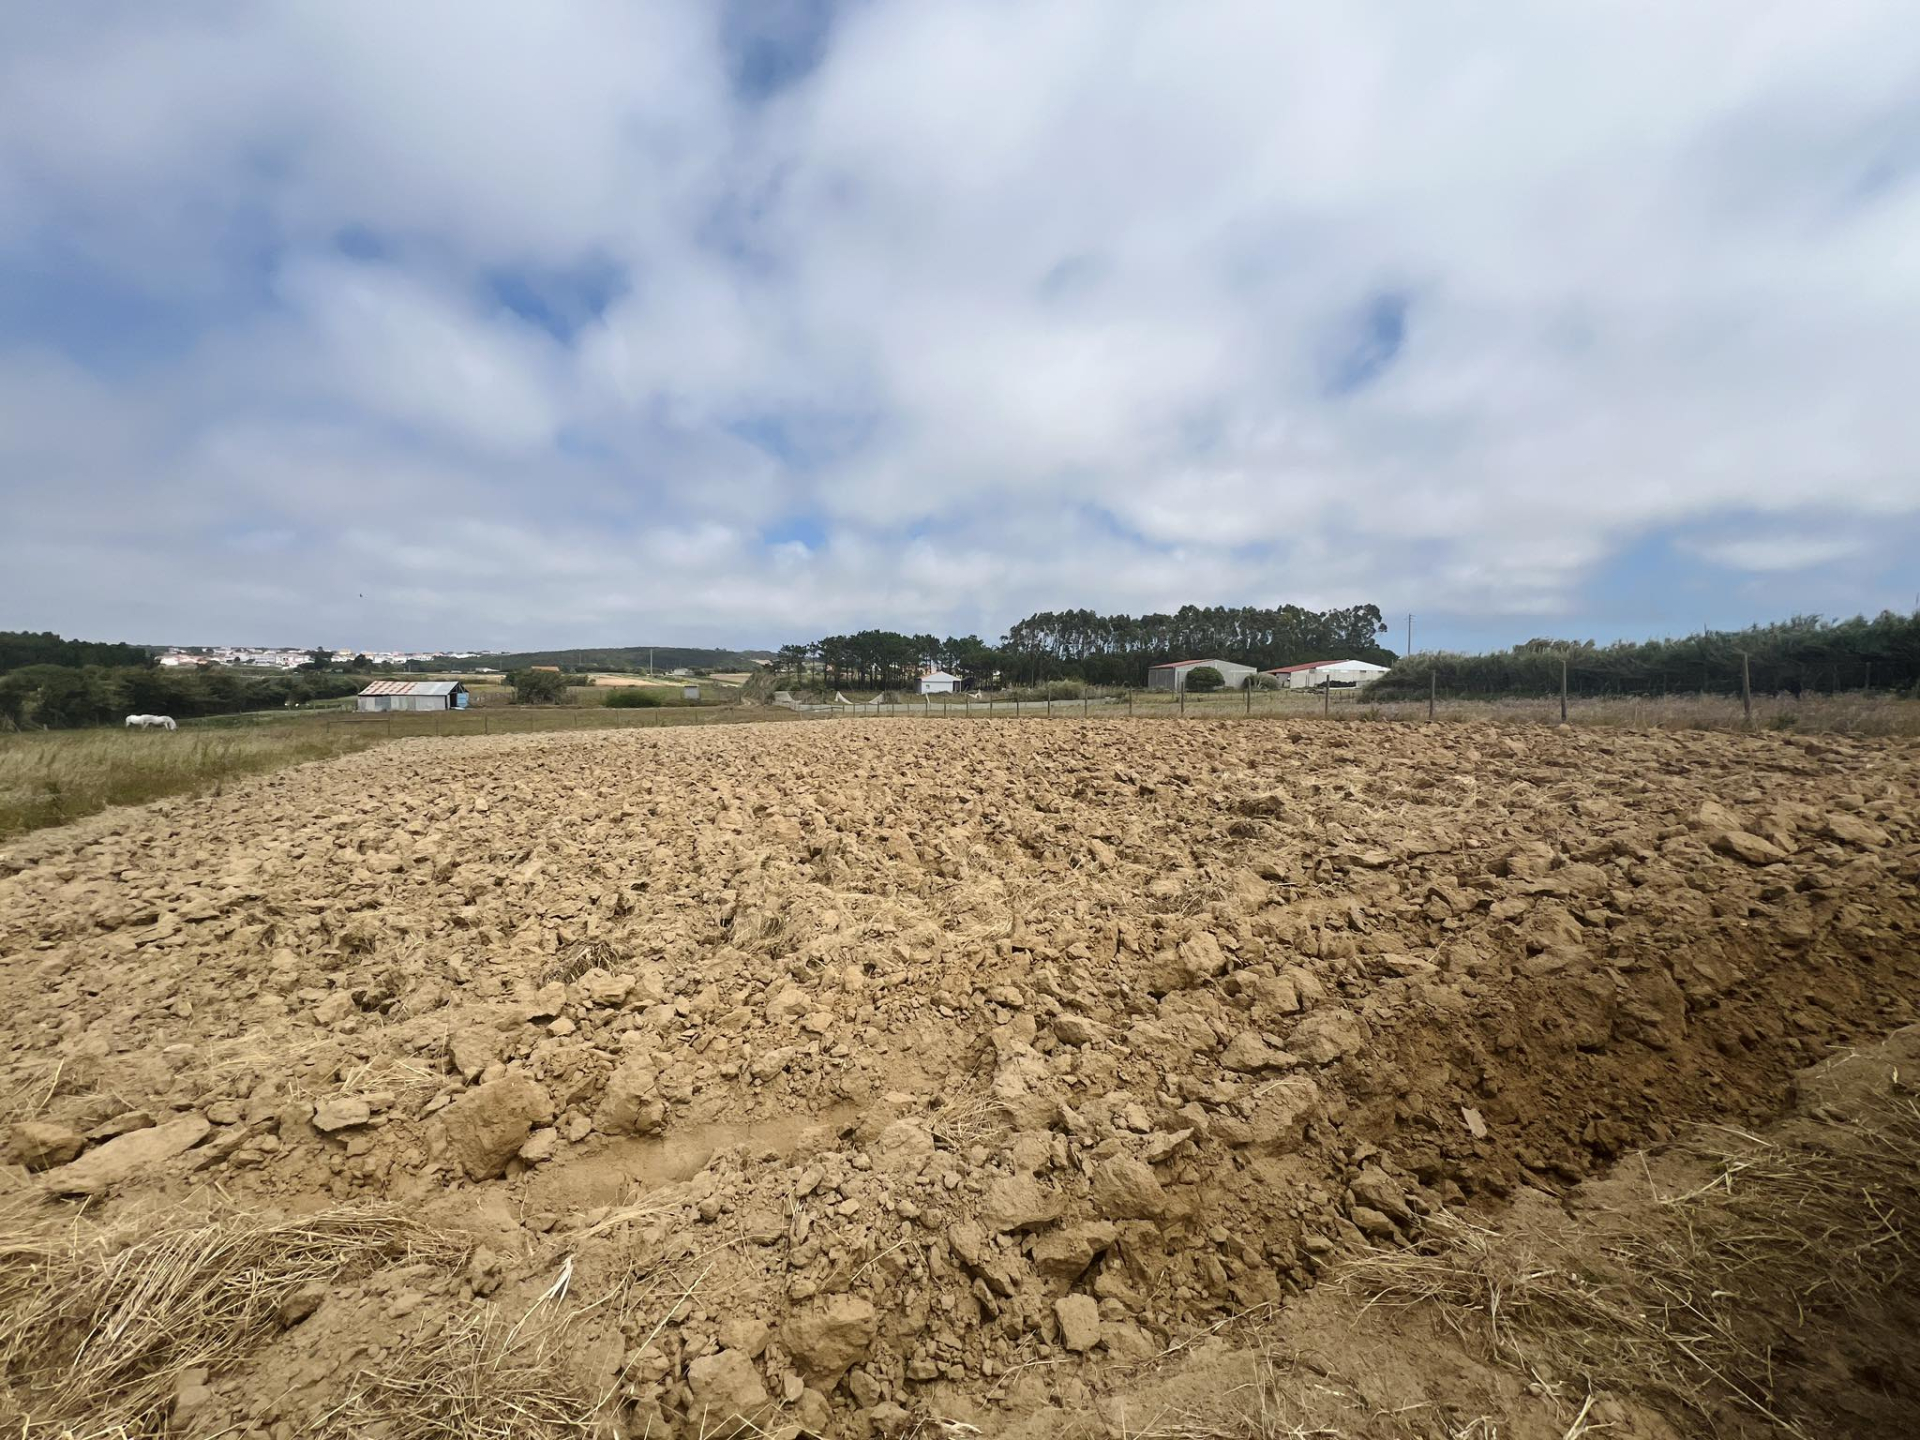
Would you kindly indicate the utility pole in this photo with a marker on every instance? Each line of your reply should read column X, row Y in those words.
column 1409, row 633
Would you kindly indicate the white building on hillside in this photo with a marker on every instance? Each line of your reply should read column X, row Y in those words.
column 938, row 682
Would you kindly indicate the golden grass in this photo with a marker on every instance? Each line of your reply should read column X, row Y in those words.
column 1855, row 713
column 1700, row 1301
column 51, row 777
column 481, row 1378
column 96, row 1324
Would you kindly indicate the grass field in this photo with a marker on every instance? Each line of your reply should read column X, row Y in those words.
column 1849, row 713
column 50, row 777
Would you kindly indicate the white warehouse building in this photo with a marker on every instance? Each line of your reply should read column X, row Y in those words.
column 938, row 682
column 1173, row 675
column 1314, row 674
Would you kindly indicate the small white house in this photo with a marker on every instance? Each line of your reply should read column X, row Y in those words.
column 1314, row 674
column 1173, row 675
column 938, row 682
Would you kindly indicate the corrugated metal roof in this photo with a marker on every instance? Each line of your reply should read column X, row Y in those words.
column 412, row 687
column 1188, row 664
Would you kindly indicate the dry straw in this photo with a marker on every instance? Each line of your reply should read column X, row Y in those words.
column 1702, row 1300
column 97, row 1324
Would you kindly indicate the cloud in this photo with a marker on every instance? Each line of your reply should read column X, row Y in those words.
column 565, row 325
column 1771, row 554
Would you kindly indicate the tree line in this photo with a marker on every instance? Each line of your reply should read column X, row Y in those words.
column 43, row 647
column 65, row 697
column 1098, row 649
column 1797, row 656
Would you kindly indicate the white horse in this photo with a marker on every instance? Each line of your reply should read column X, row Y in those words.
column 151, row 722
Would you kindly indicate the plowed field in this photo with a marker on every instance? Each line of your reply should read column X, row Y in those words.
column 863, row 1074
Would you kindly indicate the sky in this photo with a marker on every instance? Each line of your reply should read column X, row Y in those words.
column 461, row 324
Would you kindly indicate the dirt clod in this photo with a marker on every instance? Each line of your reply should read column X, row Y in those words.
column 486, row 1127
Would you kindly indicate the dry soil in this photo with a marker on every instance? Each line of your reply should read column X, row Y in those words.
column 865, row 1074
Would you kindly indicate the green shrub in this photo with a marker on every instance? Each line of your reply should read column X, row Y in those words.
column 1203, row 679
column 634, row 697
column 538, row 687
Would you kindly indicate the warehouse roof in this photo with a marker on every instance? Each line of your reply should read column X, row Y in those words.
column 1323, row 665
column 412, row 687
column 1189, row 664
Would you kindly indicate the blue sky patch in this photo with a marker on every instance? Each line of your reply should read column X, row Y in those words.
column 1371, row 342
column 560, row 301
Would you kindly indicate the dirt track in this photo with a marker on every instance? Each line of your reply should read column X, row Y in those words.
column 942, row 1064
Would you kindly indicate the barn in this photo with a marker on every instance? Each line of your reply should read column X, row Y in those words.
column 1173, row 675
column 1322, row 672
column 938, row 682
column 412, row 695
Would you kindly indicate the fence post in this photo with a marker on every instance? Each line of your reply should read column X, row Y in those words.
column 1746, row 687
column 485, row 727
column 1129, row 704
column 1326, row 700
column 1183, row 693
column 1563, row 689
column 1249, row 690
column 1085, row 701
column 389, row 723
column 1433, row 690
column 1049, row 707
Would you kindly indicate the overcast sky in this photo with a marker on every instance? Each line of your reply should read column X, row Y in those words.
column 479, row 324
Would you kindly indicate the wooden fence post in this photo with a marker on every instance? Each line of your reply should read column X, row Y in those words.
column 1183, row 692
column 1746, row 687
column 1563, row 689
column 1433, row 691
column 1249, row 690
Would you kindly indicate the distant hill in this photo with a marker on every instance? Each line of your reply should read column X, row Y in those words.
column 624, row 657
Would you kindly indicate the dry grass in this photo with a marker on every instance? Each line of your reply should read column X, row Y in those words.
column 96, row 1324
column 1860, row 713
column 481, row 1378
column 578, row 958
column 51, row 777
column 1703, row 1301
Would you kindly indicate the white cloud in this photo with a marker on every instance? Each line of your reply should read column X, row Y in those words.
column 1770, row 554
column 1017, row 306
